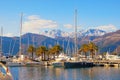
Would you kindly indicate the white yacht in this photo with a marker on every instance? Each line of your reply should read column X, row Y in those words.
column 16, row 61
column 112, row 57
column 62, row 57
column 59, row 61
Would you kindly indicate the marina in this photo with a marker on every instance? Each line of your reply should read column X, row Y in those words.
column 60, row 40
column 93, row 63
column 77, row 70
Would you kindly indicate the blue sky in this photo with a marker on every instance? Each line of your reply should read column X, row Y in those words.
column 42, row 15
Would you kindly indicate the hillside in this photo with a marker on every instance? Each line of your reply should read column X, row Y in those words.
column 108, row 42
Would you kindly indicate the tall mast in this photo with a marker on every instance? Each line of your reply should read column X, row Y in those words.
column 28, row 41
column 75, row 24
column 1, row 41
column 20, row 47
column 33, row 41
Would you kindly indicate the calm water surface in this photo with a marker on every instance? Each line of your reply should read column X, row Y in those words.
column 50, row 73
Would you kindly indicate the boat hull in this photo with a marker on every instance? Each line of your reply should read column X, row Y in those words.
column 15, row 64
column 78, row 64
column 58, row 64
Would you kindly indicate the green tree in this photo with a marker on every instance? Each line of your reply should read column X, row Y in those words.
column 57, row 49
column 41, row 51
column 114, row 53
column 92, row 48
column 31, row 49
column 84, row 48
column 51, row 52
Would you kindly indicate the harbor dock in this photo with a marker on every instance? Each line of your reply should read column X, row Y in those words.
column 92, row 63
column 107, row 63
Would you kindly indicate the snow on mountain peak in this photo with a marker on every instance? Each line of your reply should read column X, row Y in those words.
column 59, row 33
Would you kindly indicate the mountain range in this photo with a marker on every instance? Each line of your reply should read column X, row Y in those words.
column 106, row 41
column 59, row 33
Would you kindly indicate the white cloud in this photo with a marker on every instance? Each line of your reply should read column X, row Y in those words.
column 34, row 24
column 107, row 28
column 33, row 17
column 9, row 35
column 69, row 26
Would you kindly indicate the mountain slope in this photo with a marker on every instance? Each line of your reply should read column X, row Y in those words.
column 107, row 42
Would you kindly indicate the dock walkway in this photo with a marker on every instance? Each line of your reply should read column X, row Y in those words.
column 110, row 63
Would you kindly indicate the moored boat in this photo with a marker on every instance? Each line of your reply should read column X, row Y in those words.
column 59, row 61
column 78, row 64
column 58, row 64
column 15, row 64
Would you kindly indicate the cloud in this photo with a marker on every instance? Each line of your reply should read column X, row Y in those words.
column 9, row 35
column 107, row 28
column 34, row 24
column 33, row 17
column 69, row 26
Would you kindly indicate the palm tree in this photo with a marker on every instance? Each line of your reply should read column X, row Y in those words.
column 31, row 49
column 57, row 49
column 51, row 52
column 84, row 48
column 41, row 51
column 92, row 48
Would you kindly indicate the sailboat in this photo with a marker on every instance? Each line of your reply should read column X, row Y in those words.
column 18, row 61
column 61, row 58
column 2, row 57
column 77, row 63
column 59, row 61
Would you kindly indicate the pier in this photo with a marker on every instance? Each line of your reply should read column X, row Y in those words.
column 107, row 63
column 92, row 63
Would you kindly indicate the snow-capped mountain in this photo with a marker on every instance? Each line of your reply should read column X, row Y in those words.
column 55, row 33
column 58, row 33
column 93, row 32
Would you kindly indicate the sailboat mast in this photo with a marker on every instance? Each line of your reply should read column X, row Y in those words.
column 33, row 41
column 20, row 48
column 1, row 41
column 75, row 24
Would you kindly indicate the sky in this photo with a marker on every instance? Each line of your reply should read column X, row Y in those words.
column 40, row 15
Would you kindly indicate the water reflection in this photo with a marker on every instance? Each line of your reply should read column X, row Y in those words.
column 50, row 73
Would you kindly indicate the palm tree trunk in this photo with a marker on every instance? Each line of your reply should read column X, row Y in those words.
column 48, row 56
column 32, row 55
column 54, row 56
column 92, row 55
column 42, row 56
column 85, row 55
